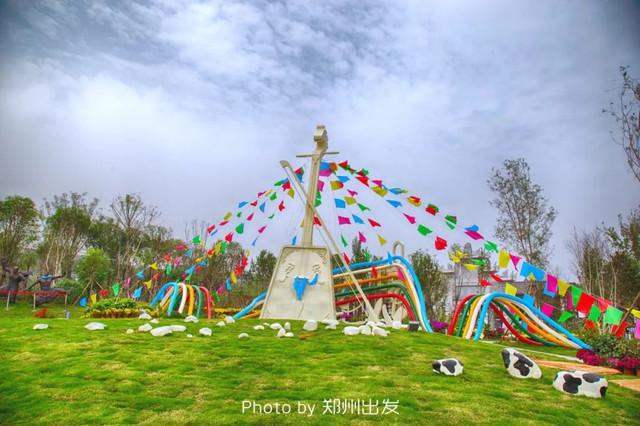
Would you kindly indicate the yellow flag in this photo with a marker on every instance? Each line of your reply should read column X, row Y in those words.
column 217, row 247
column 563, row 286
column 93, row 298
column 503, row 259
column 509, row 289
column 380, row 190
column 532, row 277
column 233, row 277
column 148, row 284
column 471, row 266
column 635, row 313
column 154, row 266
column 453, row 257
column 381, row 240
column 349, row 200
column 291, row 192
column 336, row 184
column 227, row 216
column 266, row 194
column 459, row 253
column 198, row 260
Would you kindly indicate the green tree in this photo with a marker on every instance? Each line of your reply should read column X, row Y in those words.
column 19, row 227
column 94, row 268
column 524, row 216
column 359, row 253
column 434, row 286
column 261, row 270
column 67, row 229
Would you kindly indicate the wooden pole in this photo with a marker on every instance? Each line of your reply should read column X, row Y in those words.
column 628, row 311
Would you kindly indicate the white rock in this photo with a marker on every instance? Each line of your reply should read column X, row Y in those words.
column 161, row 331
column 95, row 326
column 370, row 324
column 310, row 325
column 221, row 323
column 41, row 326
column 288, row 334
column 189, row 336
column 266, row 324
column 377, row 331
column 191, row 318
column 351, row 331
column 179, row 328
column 144, row 316
column 396, row 325
column 130, row 331
column 229, row 320
column 365, row 330
column 205, row 331
column 331, row 324
column 330, row 327
column 287, row 326
column 155, row 321
column 281, row 332
column 258, row 327
column 381, row 324
column 243, row 336
column 145, row 327
column 275, row 326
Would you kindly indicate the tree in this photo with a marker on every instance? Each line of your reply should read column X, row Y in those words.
column 359, row 253
column 524, row 218
column 66, row 232
column 261, row 270
column 626, row 112
column 626, row 256
column 18, row 226
column 434, row 286
column 94, row 268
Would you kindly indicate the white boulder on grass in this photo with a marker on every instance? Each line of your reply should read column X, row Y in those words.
column 95, row 326
column 281, row 332
column 331, row 324
column 243, row 336
column 229, row 320
column 130, row 331
column 310, row 325
column 377, row 331
column 258, row 327
column 155, row 321
column 178, row 328
column 191, row 318
column 144, row 316
column 189, row 336
column 287, row 326
column 288, row 334
column 396, row 325
column 351, row 331
column 221, row 323
column 145, row 327
column 161, row 331
column 205, row 331
column 365, row 330
column 41, row 326
column 275, row 326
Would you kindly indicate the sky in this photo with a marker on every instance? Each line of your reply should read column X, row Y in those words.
column 192, row 104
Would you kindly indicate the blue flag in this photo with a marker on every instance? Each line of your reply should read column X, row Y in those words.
column 340, row 203
column 394, row 203
column 83, row 302
column 137, row 293
column 356, row 219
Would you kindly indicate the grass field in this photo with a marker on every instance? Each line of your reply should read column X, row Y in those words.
column 68, row 375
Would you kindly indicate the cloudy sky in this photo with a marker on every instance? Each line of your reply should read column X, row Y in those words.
column 192, row 104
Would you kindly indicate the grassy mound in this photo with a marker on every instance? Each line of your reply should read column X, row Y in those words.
column 68, row 375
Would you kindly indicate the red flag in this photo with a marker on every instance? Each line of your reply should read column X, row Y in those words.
column 104, row 292
column 261, row 229
column 211, row 228
column 584, row 303
column 281, row 206
column 361, row 237
column 411, row 219
column 250, row 217
column 254, row 203
column 484, row 283
column 211, row 251
column 440, row 243
column 495, row 277
column 316, row 221
column 344, row 220
column 431, row 209
column 167, row 257
column 223, row 223
column 363, row 179
column 346, row 258
column 180, row 247
column 374, row 272
column 373, row 223
column 229, row 237
column 352, row 193
column 198, row 268
column 377, row 182
column 286, row 186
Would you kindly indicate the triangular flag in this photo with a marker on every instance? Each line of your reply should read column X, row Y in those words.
column 373, row 223
column 423, row 230
column 515, row 259
column 93, row 298
column 344, row 242
column 440, row 243
column 83, row 302
column 563, row 286
column 357, row 219
column 470, row 266
column 116, row 289
column 510, row 289
column 381, row 240
column 594, row 313
column 196, row 240
column 491, row 246
column 547, row 309
column 344, row 220
column 410, row 218
column 394, row 203
column 350, row 200
column 565, row 316
column 340, row 203
column 414, row 200
column 503, row 259
column 612, row 316
column 432, row 209
column 240, row 228
column 361, row 237
column 137, row 293
column 451, row 221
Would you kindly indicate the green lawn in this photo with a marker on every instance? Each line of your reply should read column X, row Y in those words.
column 68, row 375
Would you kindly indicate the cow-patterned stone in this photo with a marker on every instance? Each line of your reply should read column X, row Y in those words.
column 448, row 366
column 581, row 383
column 520, row 365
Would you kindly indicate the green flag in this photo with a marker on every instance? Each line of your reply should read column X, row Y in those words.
column 491, row 246
column 576, row 292
column 240, row 228
column 479, row 262
column 168, row 270
column 612, row 316
column 116, row 289
column 423, row 230
column 271, row 216
column 344, row 242
column 363, row 208
column 565, row 316
column 196, row 240
column 223, row 247
column 451, row 221
column 273, row 196
column 594, row 313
